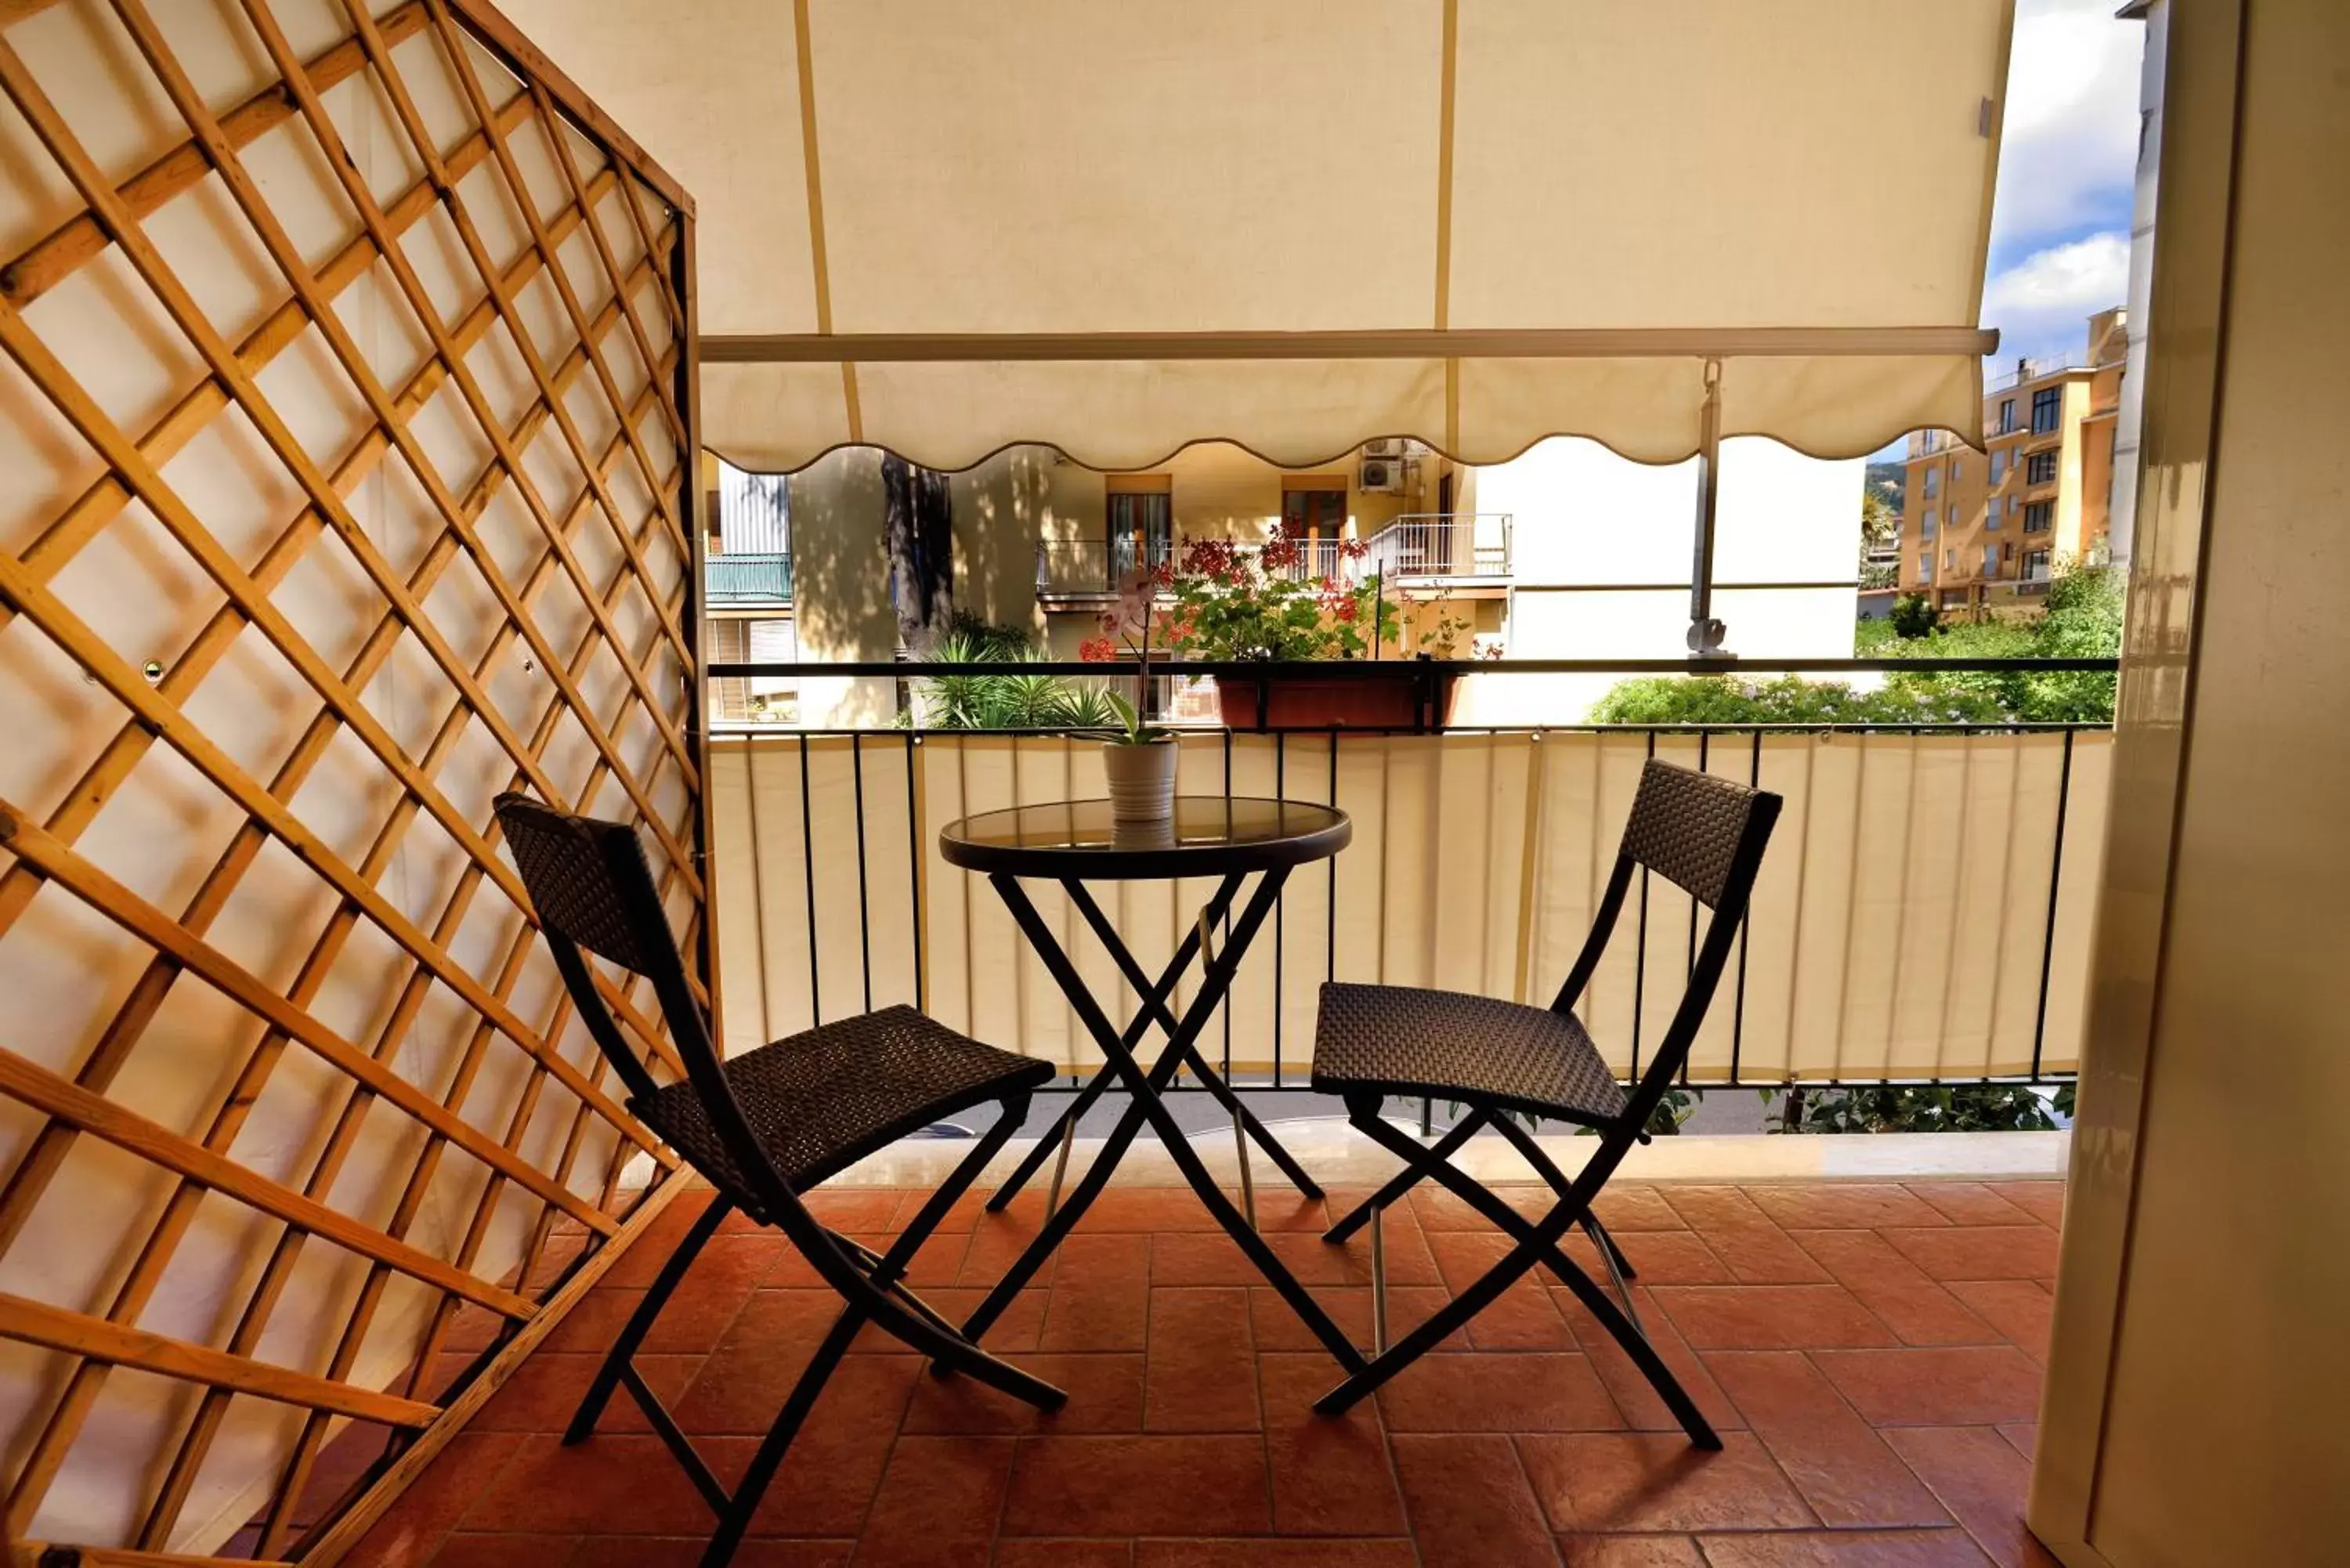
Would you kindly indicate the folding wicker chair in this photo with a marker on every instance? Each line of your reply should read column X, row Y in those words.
column 763, row 1127
column 1496, row 1058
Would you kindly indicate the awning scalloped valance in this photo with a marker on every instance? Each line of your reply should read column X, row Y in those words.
column 1116, row 229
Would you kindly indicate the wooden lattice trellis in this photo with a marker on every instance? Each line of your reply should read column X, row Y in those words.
column 401, row 501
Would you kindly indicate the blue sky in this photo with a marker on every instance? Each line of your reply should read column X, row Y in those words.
column 2068, row 149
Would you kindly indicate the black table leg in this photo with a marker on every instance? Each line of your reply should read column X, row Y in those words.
column 1153, row 1003
column 1144, row 1088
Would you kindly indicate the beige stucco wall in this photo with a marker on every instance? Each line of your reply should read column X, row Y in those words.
column 2198, row 1376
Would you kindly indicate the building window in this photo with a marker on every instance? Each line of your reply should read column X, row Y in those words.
column 2039, row 468
column 1956, row 471
column 2036, row 566
column 1933, row 483
column 1997, row 464
column 2038, row 515
column 1951, row 558
column 1925, row 565
column 2006, row 419
column 1990, row 561
column 2047, row 410
column 1990, row 513
column 1317, row 519
column 1926, row 523
column 1141, row 527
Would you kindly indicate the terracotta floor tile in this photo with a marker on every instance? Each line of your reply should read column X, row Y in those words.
column 1274, row 1554
column 1101, row 1295
column 1524, row 1319
column 862, row 1210
column 1330, row 1474
column 1281, row 1207
column 1838, row 1463
column 641, row 1262
column 1969, row 1203
column 1631, row 1552
column 962, row 1216
column 692, row 1320
column 1470, row 1503
column 1316, row 1262
column 1530, row 1392
column 1628, row 1205
column 1952, row 1386
column 1657, row 1481
column 827, row 1483
column 1011, row 1553
column 1149, row 1208
column 1277, row 1328
column 1198, row 1372
column 1643, row 1409
column 1980, row 1478
column 2019, row 1309
column 1105, row 1394
column 1138, row 1486
column 2044, row 1200
column 747, row 1378
column 545, row 1393
column 1843, row 1206
column 1845, row 1549
column 1713, row 1208
column 1771, row 1317
column 1022, row 1326
column 438, row 1500
column 1761, row 1255
column 939, row 1502
column 997, row 1241
column 1980, row 1252
column 474, row 1327
column 2022, row 1436
column 1897, row 1290
column 1199, row 1258
column 474, row 1550
column 1657, row 1257
column 617, row 1485
column 686, row 1552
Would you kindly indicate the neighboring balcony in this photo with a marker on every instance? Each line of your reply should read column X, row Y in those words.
column 1458, row 549
column 1090, row 568
column 733, row 582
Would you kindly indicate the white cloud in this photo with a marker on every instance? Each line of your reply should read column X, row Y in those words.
column 2042, row 304
column 2068, row 143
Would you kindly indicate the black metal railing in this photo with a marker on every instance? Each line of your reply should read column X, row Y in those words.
column 1293, row 753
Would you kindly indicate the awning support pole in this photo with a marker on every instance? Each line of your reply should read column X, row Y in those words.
column 1705, row 633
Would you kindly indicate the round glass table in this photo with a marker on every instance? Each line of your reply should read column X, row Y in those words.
column 1075, row 843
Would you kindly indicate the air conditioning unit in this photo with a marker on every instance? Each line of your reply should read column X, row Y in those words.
column 1381, row 474
column 1386, row 446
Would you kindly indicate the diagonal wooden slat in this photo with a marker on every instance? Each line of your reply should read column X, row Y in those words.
column 381, row 1077
column 39, row 1323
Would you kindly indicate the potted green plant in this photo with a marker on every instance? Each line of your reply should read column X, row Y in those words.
column 1137, row 757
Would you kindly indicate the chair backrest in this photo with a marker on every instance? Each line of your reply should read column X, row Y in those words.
column 592, row 889
column 1705, row 834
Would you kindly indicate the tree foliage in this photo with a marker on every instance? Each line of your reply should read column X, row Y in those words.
column 1913, row 1107
column 2083, row 620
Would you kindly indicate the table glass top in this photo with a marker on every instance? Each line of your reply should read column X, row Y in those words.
column 1202, row 824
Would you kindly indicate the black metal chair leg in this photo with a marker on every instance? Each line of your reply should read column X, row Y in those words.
column 1406, row 1179
column 735, row 1517
column 1043, row 1148
column 641, row 1321
column 1545, row 1166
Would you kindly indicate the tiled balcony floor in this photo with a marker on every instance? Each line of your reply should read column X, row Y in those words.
column 1871, row 1352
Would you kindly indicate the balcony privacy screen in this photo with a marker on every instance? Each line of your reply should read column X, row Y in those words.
column 1592, row 197
column 343, row 430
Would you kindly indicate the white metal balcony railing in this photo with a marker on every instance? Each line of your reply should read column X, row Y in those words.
column 1924, row 911
column 1419, row 547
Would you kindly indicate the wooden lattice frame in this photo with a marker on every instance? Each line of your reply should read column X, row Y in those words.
column 607, row 342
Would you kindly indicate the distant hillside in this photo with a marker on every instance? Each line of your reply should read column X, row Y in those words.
column 1889, row 478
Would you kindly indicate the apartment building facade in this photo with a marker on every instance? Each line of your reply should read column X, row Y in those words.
column 1567, row 551
column 1984, row 531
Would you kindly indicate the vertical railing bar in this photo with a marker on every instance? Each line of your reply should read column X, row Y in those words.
column 1703, row 738
column 914, row 871
column 2056, row 881
column 1640, row 950
column 758, row 889
column 1225, row 1006
column 864, row 895
column 1330, row 915
column 808, row 862
column 1738, row 997
column 1280, row 792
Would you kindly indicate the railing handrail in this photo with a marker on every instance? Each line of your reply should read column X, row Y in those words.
column 1366, row 668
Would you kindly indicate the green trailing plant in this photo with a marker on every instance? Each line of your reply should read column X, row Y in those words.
column 1911, row 1107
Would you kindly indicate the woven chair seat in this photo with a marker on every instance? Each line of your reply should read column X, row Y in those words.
column 822, row 1100
column 1402, row 1040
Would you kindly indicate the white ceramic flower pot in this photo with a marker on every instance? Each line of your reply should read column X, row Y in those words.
column 1141, row 781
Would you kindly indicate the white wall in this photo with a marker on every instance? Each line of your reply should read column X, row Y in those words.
column 1584, row 517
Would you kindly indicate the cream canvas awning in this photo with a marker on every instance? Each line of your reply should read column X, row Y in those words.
column 1118, row 228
